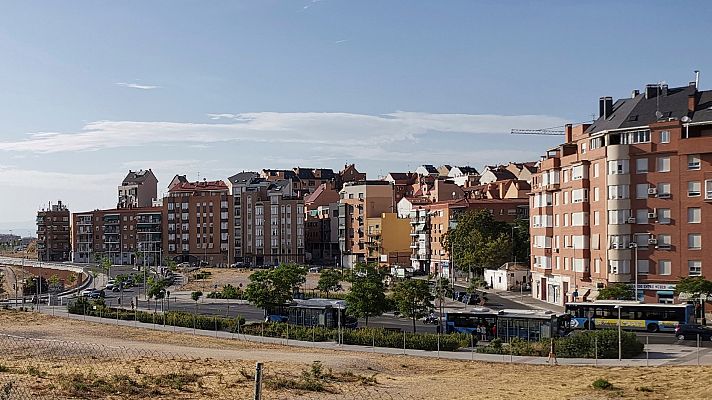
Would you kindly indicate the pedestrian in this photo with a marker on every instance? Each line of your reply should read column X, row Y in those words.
column 552, row 354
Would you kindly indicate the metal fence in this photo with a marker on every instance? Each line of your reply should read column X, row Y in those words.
column 33, row 368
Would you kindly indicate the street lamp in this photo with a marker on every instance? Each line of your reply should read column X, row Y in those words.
column 514, row 258
column 634, row 246
column 620, row 349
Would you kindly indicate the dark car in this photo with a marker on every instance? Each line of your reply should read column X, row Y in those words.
column 97, row 294
column 690, row 332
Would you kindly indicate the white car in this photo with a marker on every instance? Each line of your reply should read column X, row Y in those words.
column 87, row 292
column 109, row 286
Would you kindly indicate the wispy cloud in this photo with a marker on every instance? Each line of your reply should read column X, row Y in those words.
column 136, row 86
column 341, row 41
column 345, row 133
column 14, row 176
column 311, row 4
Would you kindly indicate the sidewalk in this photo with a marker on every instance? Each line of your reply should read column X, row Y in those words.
column 659, row 355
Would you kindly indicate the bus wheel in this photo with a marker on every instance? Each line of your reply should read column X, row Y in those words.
column 653, row 328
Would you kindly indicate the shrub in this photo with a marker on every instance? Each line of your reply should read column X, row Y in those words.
column 602, row 384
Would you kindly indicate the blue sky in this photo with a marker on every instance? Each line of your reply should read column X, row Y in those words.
column 91, row 89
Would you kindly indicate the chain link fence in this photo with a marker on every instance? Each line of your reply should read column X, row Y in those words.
column 49, row 369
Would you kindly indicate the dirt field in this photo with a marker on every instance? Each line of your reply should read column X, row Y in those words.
column 235, row 277
column 199, row 367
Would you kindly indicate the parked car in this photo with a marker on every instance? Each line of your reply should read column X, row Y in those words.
column 690, row 332
column 183, row 265
column 315, row 270
column 87, row 292
column 95, row 294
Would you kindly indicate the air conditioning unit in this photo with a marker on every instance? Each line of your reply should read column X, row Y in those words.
column 631, row 220
column 652, row 215
column 653, row 241
column 652, row 191
column 664, row 195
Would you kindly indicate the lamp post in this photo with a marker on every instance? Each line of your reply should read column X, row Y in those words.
column 634, row 246
column 514, row 258
column 620, row 349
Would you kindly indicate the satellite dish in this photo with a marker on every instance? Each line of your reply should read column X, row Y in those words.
column 658, row 114
column 685, row 119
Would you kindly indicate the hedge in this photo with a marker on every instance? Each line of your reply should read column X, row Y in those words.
column 579, row 345
column 363, row 336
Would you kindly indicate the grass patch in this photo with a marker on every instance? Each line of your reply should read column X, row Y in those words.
column 4, row 368
column 602, row 384
column 176, row 381
column 34, row 371
column 316, row 379
column 88, row 385
column 646, row 389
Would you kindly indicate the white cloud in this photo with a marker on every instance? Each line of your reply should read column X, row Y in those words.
column 136, row 86
column 341, row 132
column 312, row 3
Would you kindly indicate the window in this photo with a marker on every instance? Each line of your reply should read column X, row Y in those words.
column 583, row 148
column 641, row 240
column 642, row 136
column 663, row 164
column 664, row 241
column 663, row 189
column 708, row 189
column 578, row 172
column 641, row 165
column 641, row 216
column 641, row 190
column 596, row 194
column 595, row 170
column 643, row 267
column 694, row 241
column 663, row 216
column 566, row 197
column 566, row 219
column 616, row 167
column 597, row 265
column 579, row 195
column 618, row 217
column 694, row 215
column 693, row 161
column 694, row 189
column 694, row 267
column 619, row 241
column 579, row 219
column 664, row 136
column 619, row 266
column 664, row 267
column 618, row 192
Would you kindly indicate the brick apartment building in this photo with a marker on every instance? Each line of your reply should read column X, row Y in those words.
column 138, row 189
column 197, row 221
column 125, row 236
column 634, row 185
column 431, row 222
column 53, row 233
column 321, row 226
column 358, row 202
column 267, row 220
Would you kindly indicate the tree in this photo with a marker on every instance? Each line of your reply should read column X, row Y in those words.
column 479, row 241
column 329, row 281
column 616, row 291
column 53, row 282
column 696, row 287
column 413, row 299
column 521, row 240
column 367, row 297
column 195, row 296
column 2, row 284
column 106, row 266
column 275, row 286
column 72, row 279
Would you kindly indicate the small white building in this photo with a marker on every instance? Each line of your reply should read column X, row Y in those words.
column 509, row 276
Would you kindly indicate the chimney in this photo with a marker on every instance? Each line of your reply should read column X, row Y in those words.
column 691, row 103
column 664, row 89
column 568, row 133
column 651, row 90
column 635, row 93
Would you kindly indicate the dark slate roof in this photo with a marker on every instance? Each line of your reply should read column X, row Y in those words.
column 324, row 173
column 430, row 168
column 468, row 170
column 304, row 173
column 137, row 176
column 639, row 111
column 279, row 186
column 243, row 177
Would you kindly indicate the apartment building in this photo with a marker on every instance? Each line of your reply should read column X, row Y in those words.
column 626, row 199
column 358, row 202
column 126, row 236
column 138, row 189
column 387, row 240
column 430, row 223
column 321, row 232
column 267, row 220
column 53, row 233
column 197, row 222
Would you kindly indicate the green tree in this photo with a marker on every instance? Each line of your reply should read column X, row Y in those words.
column 71, row 280
column 521, row 240
column 479, row 241
column 413, row 299
column 196, row 296
column 53, row 282
column 367, row 297
column 697, row 288
column 106, row 266
column 329, row 281
column 616, row 291
column 275, row 286
column 231, row 292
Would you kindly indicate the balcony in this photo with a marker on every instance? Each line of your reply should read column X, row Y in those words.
column 618, row 278
column 142, row 219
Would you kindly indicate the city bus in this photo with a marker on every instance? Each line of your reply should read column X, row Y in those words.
column 530, row 325
column 634, row 315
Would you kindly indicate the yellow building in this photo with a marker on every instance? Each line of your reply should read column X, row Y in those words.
column 388, row 240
